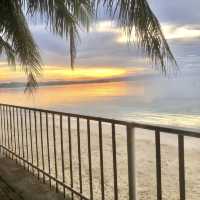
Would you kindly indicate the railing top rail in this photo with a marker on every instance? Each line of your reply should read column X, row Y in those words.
column 120, row 122
column 165, row 129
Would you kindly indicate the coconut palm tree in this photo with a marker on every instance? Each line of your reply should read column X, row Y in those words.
column 64, row 18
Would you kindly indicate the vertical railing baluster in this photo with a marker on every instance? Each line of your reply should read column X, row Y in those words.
column 181, row 166
column 55, row 154
column 36, row 144
column 18, row 135
column 158, row 165
column 114, row 162
column 131, row 161
column 6, row 134
column 26, row 132
column 70, row 156
column 89, row 159
column 42, row 147
column 2, row 129
column 62, row 152
column 79, row 155
column 4, row 124
column 2, row 134
column 11, row 132
column 14, row 130
column 22, row 136
column 101, row 160
column 48, row 150
column 31, row 138
column 3, row 114
column 7, row 129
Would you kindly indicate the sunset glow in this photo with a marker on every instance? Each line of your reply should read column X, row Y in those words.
column 83, row 73
column 68, row 94
column 54, row 73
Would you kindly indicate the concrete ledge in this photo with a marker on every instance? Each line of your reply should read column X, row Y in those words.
column 17, row 184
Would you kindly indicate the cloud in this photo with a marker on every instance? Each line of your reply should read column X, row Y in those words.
column 180, row 32
column 180, row 12
column 170, row 31
column 99, row 47
column 106, row 44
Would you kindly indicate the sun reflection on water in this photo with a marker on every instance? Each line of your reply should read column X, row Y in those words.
column 66, row 94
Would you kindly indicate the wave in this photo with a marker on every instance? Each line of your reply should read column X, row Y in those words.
column 186, row 121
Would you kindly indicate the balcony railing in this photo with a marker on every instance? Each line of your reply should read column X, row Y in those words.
column 68, row 151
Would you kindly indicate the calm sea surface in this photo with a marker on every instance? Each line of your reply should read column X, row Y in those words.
column 173, row 101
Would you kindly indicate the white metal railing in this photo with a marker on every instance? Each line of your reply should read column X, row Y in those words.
column 36, row 139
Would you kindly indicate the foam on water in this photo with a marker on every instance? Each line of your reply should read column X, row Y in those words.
column 173, row 120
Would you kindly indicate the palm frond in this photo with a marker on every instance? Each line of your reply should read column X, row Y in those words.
column 31, row 84
column 6, row 48
column 72, row 47
column 63, row 17
column 16, row 33
column 137, row 14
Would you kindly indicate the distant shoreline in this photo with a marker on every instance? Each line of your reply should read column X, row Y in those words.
column 72, row 82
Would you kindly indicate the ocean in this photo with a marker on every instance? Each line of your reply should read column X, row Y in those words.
column 147, row 98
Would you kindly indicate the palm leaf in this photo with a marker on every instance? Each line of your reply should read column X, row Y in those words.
column 6, row 48
column 62, row 17
column 19, row 42
column 137, row 14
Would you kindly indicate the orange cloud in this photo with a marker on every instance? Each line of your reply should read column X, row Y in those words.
column 51, row 73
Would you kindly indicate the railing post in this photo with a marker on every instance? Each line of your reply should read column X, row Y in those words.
column 181, row 166
column 131, row 162
column 1, row 129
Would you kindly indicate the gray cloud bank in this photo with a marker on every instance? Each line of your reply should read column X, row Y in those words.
column 180, row 12
column 99, row 48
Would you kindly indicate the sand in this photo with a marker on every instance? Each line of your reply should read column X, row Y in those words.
column 145, row 160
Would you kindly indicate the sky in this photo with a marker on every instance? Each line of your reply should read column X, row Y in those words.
column 104, row 48
column 105, row 44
